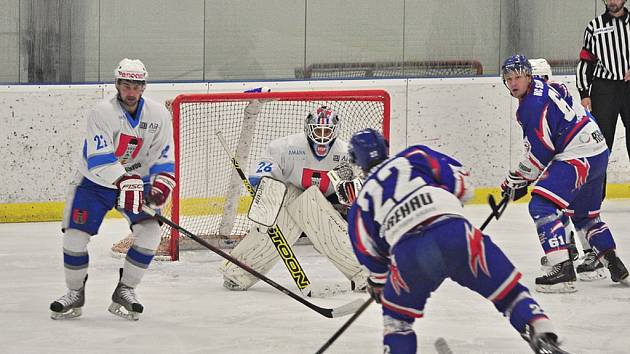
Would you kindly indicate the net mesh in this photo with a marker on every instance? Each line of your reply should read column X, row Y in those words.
column 207, row 182
column 452, row 68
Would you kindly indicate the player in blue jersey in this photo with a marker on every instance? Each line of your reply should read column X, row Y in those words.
column 408, row 229
column 566, row 157
column 127, row 159
column 590, row 268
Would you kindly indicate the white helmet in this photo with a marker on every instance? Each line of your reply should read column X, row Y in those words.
column 131, row 69
column 320, row 127
column 540, row 68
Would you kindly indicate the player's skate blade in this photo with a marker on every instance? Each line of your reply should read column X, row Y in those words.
column 72, row 313
column 120, row 311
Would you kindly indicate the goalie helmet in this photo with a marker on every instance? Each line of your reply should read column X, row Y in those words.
column 368, row 148
column 131, row 69
column 321, row 129
column 516, row 64
column 540, row 68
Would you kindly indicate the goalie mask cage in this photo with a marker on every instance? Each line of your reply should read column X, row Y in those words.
column 210, row 199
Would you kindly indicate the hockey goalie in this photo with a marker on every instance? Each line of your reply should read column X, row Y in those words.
column 314, row 204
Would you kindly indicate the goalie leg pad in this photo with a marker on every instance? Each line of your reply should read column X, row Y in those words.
column 146, row 238
column 329, row 233
column 75, row 257
column 258, row 251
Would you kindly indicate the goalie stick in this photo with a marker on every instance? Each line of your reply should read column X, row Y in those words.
column 440, row 344
column 277, row 237
column 340, row 311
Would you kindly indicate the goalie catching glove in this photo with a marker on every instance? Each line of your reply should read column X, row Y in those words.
column 130, row 193
column 346, row 185
column 163, row 185
column 514, row 186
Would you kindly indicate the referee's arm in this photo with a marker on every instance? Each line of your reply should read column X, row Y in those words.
column 585, row 69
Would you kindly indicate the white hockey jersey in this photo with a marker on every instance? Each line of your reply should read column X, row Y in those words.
column 290, row 160
column 116, row 143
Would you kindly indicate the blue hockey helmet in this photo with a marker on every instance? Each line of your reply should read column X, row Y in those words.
column 368, row 148
column 516, row 64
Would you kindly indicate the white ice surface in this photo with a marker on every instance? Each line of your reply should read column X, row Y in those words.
column 188, row 311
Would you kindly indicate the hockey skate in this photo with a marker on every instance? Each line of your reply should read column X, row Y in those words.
column 618, row 271
column 124, row 302
column 591, row 268
column 69, row 305
column 560, row 279
column 542, row 343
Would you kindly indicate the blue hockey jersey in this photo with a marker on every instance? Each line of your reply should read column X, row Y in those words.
column 407, row 191
column 552, row 130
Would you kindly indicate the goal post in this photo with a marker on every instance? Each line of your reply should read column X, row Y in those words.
column 210, row 199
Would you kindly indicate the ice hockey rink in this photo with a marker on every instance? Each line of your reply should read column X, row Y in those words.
column 188, row 311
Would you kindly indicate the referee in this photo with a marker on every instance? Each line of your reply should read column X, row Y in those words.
column 603, row 73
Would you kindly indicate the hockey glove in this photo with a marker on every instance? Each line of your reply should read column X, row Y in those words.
column 130, row 193
column 163, row 185
column 375, row 290
column 347, row 191
column 514, row 186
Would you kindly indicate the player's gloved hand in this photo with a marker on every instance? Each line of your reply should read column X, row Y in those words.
column 347, row 191
column 163, row 185
column 130, row 193
column 514, row 186
column 375, row 289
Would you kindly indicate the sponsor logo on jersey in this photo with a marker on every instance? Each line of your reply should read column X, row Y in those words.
column 128, row 147
column 79, row 216
column 403, row 210
column 340, row 158
column 153, row 127
column 143, row 125
column 298, row 152
column 135, row 166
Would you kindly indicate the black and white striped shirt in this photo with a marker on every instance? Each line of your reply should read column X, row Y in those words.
column 606, row 51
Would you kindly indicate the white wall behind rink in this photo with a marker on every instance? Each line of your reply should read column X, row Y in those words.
column 469, row 118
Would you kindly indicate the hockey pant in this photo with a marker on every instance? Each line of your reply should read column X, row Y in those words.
column 86, row 206
column 451, row 248
column 257, row 250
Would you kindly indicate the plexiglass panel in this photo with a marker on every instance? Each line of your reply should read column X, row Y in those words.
column 9, row 41
column 253, row 40
column 60, row 41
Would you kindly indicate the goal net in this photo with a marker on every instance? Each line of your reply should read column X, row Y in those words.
column 210, row 199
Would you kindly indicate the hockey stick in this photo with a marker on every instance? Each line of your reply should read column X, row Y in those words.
column 440, row 345
column 497, row 209
column 340, row 311
column 277, row 237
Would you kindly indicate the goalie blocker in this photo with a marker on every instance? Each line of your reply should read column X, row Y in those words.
column 309, row 212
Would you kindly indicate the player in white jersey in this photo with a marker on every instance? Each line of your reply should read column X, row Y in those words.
column 126, row 160
column 302, row 162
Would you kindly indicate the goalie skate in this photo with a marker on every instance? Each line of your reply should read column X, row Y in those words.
column 69, row 305
column 124, row 302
